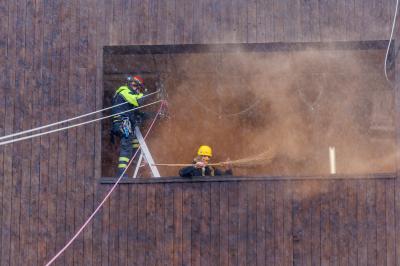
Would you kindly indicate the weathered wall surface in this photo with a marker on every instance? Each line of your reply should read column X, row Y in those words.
column 252, row 222
column 51, row 69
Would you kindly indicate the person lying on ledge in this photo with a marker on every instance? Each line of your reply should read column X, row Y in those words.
column 200, row 165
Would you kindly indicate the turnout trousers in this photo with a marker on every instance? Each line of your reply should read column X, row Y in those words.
column 127, row 147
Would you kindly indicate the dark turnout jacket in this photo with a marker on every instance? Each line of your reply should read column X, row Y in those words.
column 122, row 95
column 190, row 171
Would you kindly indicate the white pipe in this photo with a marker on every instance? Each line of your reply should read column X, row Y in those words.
column 332, row 160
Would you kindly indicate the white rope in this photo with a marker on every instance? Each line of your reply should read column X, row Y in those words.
column 106, row 197
column 67, row 120
column 76, row 125
column 390, row 39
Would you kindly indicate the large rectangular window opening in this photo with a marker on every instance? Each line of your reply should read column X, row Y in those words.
column 288, row 102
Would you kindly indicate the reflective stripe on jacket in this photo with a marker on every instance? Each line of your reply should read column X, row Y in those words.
column 128, row 95
column 124, row 94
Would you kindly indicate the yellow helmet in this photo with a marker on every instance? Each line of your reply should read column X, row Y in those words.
column 204, row 150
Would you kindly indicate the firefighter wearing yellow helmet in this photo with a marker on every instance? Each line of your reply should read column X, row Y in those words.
column 200, row 165
column 204, row 150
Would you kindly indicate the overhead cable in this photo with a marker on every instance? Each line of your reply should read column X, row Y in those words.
column 76, row 125
column 106, row 197
column 390, row 40
column 67, row 120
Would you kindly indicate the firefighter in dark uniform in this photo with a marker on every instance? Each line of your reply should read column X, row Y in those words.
column 123, row 124
column 200, row 165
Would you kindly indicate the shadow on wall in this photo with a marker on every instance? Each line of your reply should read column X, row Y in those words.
column 292, row 104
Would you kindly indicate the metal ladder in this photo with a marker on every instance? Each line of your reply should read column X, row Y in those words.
column 144, row 154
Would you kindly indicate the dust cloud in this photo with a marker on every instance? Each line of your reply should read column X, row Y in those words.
column 292, row 104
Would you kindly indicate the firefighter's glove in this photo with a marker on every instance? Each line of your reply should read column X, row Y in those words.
column 200, row 164
column 138, row 120
column 140, row 117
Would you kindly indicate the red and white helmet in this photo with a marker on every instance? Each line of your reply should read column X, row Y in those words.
column 135, row 82
column 138, row 79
